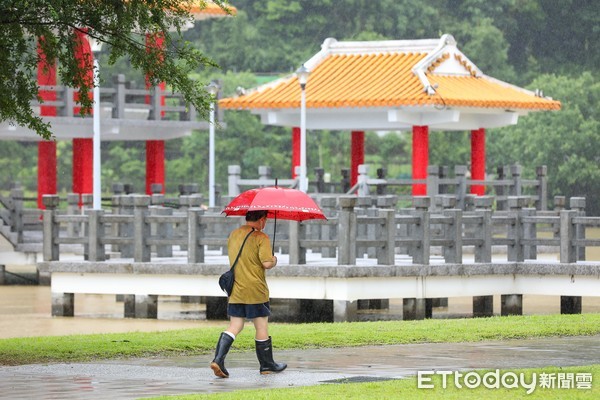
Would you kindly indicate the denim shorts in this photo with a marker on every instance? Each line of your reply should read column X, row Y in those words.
column 249, row 311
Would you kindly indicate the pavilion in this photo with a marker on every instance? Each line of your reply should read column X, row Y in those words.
column 393, row 85
column 67, row 125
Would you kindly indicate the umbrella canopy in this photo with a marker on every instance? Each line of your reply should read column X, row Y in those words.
column 281, row 203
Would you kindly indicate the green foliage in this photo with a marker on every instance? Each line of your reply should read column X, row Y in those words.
column 513, row 40
column 53, row 26
column 566, row 142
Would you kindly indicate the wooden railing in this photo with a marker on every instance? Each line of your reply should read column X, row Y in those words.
column 138, row 230
column 122, row 101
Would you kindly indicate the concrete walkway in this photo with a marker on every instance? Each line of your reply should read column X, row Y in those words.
column 147, row 377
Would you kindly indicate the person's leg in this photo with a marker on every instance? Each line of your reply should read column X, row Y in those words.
column 236, row 324
column 261, row 324
column 264, row 347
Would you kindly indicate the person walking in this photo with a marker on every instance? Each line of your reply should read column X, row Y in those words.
column 250, row 296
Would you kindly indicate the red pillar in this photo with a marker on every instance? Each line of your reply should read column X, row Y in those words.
column 46, row 76
column 83, row 166
column 357, row 154
column 83, row 149
column 155, row 149
column 46, row 170
column 295, row 150
column 85, row 60
column 420, row 158
column 155, row 164
column 478, row 160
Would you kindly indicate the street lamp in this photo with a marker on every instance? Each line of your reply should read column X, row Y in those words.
column 213, row 89
column 96, row 46
column 302, row 74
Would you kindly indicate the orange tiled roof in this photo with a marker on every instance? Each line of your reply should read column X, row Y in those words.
column 391, row 74
column 210, row 10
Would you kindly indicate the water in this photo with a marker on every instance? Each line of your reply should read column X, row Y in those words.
column 25, row 311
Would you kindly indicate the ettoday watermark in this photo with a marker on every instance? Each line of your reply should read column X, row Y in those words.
column 505, row 379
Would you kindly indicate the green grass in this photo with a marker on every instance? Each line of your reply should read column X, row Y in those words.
column 407, row 389
column 18, row 351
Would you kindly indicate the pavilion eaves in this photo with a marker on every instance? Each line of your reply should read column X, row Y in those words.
column 392, row 85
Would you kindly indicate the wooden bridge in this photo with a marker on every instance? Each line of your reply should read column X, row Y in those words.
column 367, row 250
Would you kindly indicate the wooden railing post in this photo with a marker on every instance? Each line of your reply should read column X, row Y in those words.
column 115, row 228
column 297, row 252
column 386, row 254
column 16, row 212
column 141, row 249
column 347, row 231
column 127, row 229
column 460, row 173
column 483, row 207
column 235, row 172
column 186, row 202
column 327, row 231
column 196, row 232
column 119, row 98
column 162, row 230
column 502, row 190
column 87, row 201
column 529, row 233
column 542, row 188
column 51, row 227
column 73, row 228
column 363, row 177
column 453, row 232
column 568, row 251
column 483, row 306
column 69, row 102
column 515, row 251
column 155, row 110
column 264, row 172
column 517, row 186
column 422, row 250
column 95, row 235
column 433, row 180
column 578, row 204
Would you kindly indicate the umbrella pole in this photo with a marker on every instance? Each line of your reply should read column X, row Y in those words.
column 274, row 226
column 274, row 231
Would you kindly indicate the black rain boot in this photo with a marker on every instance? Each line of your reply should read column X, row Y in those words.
column 218, row 364
column 264, row 353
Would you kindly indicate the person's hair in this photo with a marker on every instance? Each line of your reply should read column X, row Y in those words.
column 255, row 215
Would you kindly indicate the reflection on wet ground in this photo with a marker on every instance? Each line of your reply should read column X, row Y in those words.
column 144, row 377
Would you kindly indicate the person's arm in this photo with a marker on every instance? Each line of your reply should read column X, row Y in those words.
column 270, row 264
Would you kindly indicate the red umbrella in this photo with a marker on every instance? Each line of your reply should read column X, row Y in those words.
column 282, row 203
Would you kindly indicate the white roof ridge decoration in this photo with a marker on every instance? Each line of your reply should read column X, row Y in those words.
column 436, row 49
column 446, row 45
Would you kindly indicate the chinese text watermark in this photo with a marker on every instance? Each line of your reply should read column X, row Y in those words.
column 505, row 379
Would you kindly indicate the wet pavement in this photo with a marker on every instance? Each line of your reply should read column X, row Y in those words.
column 147, row 377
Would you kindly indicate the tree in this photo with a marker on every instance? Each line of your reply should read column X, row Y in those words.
column 54, row 26
column 565, row 141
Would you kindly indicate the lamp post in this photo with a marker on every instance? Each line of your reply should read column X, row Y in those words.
column 96, row 46
column 302, row 74
column 213, row 89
